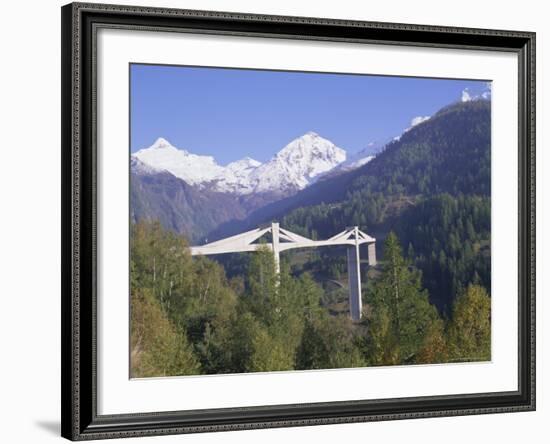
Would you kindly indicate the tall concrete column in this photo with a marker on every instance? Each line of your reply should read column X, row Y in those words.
column 354, row 280
column 275, row 245
column 372, row 254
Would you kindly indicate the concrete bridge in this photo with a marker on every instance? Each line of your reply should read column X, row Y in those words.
column 282, row 240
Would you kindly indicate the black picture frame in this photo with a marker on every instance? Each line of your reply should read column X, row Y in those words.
column 80, row 420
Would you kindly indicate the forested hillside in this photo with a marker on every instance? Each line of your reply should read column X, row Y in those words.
column 188, row 318
column 449, row 239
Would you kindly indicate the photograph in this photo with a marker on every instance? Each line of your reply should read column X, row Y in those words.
column 286, row 221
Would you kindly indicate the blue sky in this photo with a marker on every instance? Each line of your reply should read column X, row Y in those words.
column 232, row 113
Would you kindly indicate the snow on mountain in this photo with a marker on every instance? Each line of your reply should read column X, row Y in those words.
column 245, row 163
column 138, row 167
column 358, row 159
column 414, row 122
column 358, row 163
column 297, row 164
column 291, row 169
column 236, row 177
column 192, row 168
column 364, row 156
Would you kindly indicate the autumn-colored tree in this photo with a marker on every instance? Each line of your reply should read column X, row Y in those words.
column 469, row 331
column 434, row 348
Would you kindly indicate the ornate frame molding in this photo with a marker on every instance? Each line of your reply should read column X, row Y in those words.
column 80, row 22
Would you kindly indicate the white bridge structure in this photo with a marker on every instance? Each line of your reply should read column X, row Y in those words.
column 282, row 240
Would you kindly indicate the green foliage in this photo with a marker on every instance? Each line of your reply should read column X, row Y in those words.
column 271, row 352
column 193, row 294
column 187, row 318
column 263, row 294
column 470, row 327
column 448, row 154
column 401, row 315
column 448, row 237
column 259, row 330
column 329, row 342
column 282, row 304
column 449, row 240
column 157, row 347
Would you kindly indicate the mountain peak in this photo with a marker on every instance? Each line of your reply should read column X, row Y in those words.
column 312, row 142
column 298, row 164
column 160, row 143
column 311, row 134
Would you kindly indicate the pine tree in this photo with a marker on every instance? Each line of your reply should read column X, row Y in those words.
column 263, row 285
column 401, row 313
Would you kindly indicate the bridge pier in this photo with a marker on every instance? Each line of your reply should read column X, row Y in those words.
column 275, row 246
column 354, row 282
column 371, row 248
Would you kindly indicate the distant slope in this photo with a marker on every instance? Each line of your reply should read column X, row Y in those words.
column 184, row 208
column 179, row 206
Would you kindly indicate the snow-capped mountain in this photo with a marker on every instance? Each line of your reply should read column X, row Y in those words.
column 291, row 169
column 297, row 164
column 192, row 168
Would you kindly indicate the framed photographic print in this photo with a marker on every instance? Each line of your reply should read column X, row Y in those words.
column 279, row 221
